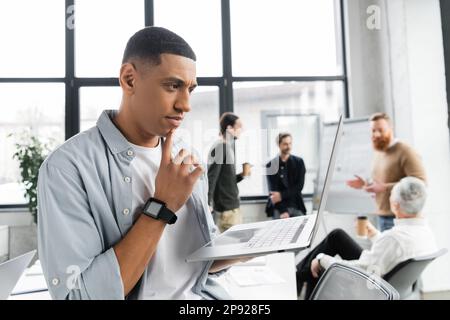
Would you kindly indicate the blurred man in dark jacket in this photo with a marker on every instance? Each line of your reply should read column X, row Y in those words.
column 223, row 193
column 285, row 186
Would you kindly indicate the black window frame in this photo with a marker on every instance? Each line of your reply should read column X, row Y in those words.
column 445, row 19
column 224, row 83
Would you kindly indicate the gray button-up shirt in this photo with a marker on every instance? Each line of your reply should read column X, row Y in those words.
column 83, row 199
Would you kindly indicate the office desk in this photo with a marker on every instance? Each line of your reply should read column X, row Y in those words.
column 276, row 281
column 31, row 285
column 283, row 286
column 43, row 295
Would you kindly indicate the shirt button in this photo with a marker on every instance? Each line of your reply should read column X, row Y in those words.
column 126, row 211
column 55, row 281
column 281, row 176
column 130, row 152
column 127, row 179
column 282, row 167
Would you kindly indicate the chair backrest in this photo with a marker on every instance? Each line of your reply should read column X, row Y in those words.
column 406, row 273
column 341, row 282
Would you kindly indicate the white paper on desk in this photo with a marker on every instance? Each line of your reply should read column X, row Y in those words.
column 34, row 270
column 258, row 261
column 30, row 283
column 254, row 276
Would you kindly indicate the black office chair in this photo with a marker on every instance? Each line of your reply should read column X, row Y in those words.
column 404, row 277
column 341, row 282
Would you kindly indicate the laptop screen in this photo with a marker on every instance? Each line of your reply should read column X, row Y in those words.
column 269, row 236
column 324, row 184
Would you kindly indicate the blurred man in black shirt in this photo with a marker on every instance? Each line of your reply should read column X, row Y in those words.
column 285, row 186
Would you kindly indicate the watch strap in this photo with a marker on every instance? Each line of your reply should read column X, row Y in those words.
column 164, row 213
column 167, row 215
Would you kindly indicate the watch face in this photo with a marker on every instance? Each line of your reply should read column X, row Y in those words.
column 153, row 209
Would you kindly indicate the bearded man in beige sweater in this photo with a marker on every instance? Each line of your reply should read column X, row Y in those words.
column 393, row 160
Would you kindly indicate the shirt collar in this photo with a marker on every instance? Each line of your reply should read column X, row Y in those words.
column 409, row 222
column 114, row 138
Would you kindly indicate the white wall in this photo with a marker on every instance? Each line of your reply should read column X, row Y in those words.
column 11, row 219
column 15, row 218
column 368, row 59
column 411, row 66
column 428, row 122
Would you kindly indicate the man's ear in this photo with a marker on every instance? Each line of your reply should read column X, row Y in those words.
column 127, row 77
column 395, row 206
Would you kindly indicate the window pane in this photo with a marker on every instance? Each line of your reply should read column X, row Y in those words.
column 284, row 38
column 40, row 110
column 269, row 108
column 93, row 100
column 102, row 29
column 200, row 128
column 204, row 35
column 32, row 38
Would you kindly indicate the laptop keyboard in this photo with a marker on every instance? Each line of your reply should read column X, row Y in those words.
column 283, row 231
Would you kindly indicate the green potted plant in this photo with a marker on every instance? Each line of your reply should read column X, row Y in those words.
column 30, row 153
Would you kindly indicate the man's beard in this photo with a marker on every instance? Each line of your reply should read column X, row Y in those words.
column 286, row 152
column 382, row 143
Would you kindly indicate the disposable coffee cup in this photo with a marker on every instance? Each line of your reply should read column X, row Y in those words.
column 246, row 169
column 361, row 227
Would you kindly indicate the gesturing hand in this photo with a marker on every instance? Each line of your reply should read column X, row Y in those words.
column 375, row 187
column 357, row 183
column 174, row 181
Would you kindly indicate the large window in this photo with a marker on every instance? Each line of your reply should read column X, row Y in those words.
column 32, row 38
column 34, row 108
column 102, row 28
column 274, row 63
column 93, row 100
column 198, row 22
column 32, row 91
column 284, row 38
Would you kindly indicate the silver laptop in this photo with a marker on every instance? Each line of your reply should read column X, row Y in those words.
column 260, row 238
column 10, row 272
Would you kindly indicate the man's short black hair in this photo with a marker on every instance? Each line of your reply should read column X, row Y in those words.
column 281, row 136
column 149, row 43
